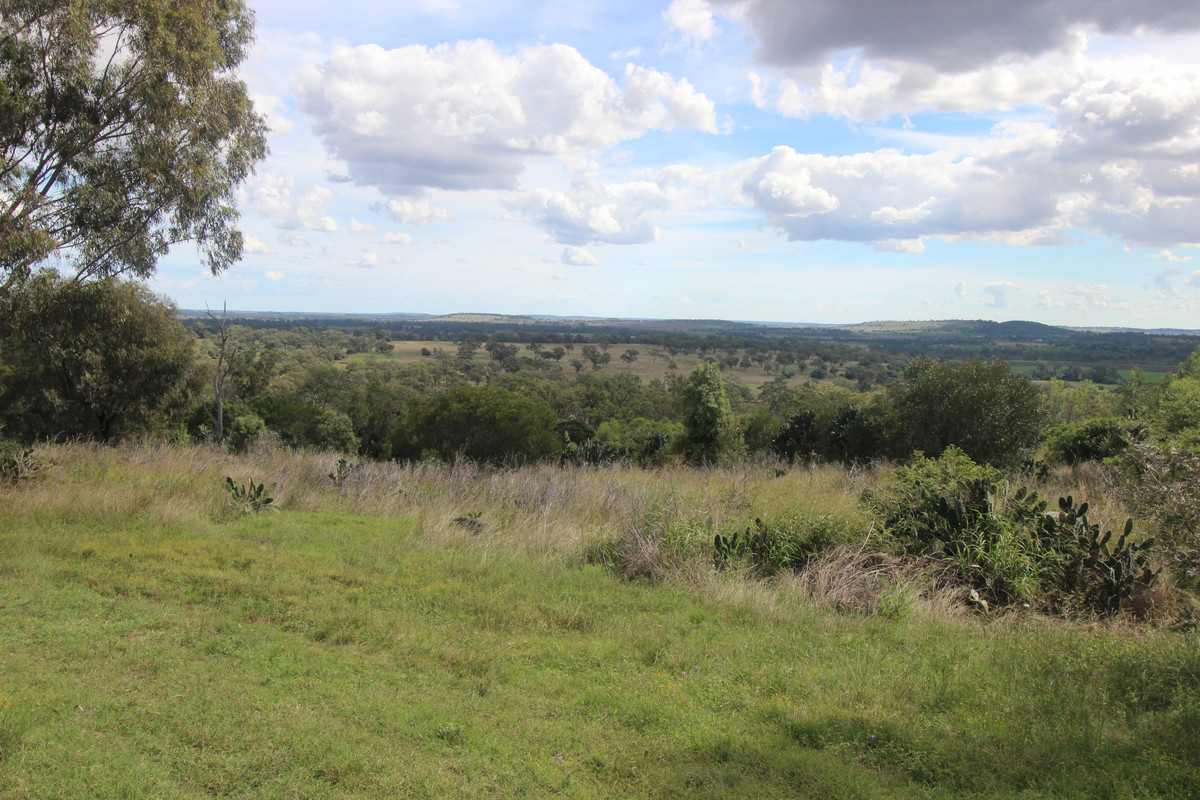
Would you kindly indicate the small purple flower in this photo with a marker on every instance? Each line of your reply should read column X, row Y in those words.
column 684, row 672
column 560, row 758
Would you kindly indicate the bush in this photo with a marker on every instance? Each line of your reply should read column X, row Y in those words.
column 487, row 423
column 243, row 430
column 786, row 542
column 978, row 406
column 1089, row 440
column 1004, row 542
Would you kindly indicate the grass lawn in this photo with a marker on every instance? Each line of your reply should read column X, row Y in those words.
column 153, row 644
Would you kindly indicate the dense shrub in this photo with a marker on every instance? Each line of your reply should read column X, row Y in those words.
column 977, row 406
column 483, row 424
column 1004, row 542
column 1088, row 440
column 784, row 542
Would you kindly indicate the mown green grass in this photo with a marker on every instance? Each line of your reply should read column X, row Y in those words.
column 313, row 654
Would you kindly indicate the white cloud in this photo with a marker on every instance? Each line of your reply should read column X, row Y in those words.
column 579, row 257
column 396, row 238
column 1096, row 296
column 1194, row 279
column 466, row 116
column 614, row 213
column 1167, row 255
column 911, row 246
column 367, row 259
column 744, row 245
column 960, row 290
column 420, row 212
column 360, row 227
column 271, row 196
column 1046, row 301
column 999, row 292
column 274, row 276
column 255, row 246
column 294, row 239
column 693, row 17
column 894, row 200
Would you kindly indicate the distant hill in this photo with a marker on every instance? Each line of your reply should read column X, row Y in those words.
column 977, row 329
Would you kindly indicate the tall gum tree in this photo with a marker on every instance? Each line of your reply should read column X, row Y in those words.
column 123, row 130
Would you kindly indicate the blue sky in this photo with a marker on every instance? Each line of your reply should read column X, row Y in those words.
column 783, row 160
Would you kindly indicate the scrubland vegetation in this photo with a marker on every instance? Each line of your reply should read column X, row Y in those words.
column 582, row 640
column 236, row 564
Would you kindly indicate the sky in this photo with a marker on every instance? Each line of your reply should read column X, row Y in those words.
column 825, row 161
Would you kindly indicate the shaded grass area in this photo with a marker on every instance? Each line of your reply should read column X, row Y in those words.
column 154, row 647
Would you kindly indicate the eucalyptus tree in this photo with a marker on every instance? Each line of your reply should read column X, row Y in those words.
column 124, row 129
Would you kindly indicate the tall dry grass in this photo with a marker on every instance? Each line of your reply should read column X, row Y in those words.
column 656, row 524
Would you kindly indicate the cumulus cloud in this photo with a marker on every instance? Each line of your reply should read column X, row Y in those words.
column 960, row 290
column 396, row 238
column 1117, row 154
column 255, row 246
column 1096, row 296
column 893, row 199
column 579, row 257
column 1046, row 301
column 999, row 292
column 271, row 196
column 360, row 227
column 946, row 36
column 1167, row 255
column 274, row 276
column 693, row 17
column 466, row 116
column 367, row 259
column 614, row 213
column 294, row 239
column 420, row 212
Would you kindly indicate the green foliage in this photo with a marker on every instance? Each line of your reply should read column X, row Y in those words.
column 1177, row 414
column 978, row 406
column 17, row 465
column 959, row 509
column 124, row 128
column 931, row 501
column 90, row 359
column 1006, row 543
column 335, row 431
column 1102, row 575
column 488, row 424
column 784, row 542
column 645, row 441
column 710, row 434
column 1162, row 482
column 250, row 498
column 1088, row 440
column 243, row 430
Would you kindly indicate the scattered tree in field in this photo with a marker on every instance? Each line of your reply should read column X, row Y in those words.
column 629, row 356
column 124, row 129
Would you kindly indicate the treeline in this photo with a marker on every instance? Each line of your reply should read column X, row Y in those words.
column 108, row 359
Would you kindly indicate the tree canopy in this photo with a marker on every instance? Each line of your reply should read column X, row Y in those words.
column 123, row 130
column 95, row 359
column 979, row 406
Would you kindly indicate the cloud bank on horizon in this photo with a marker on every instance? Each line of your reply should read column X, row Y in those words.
column 801, row 160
